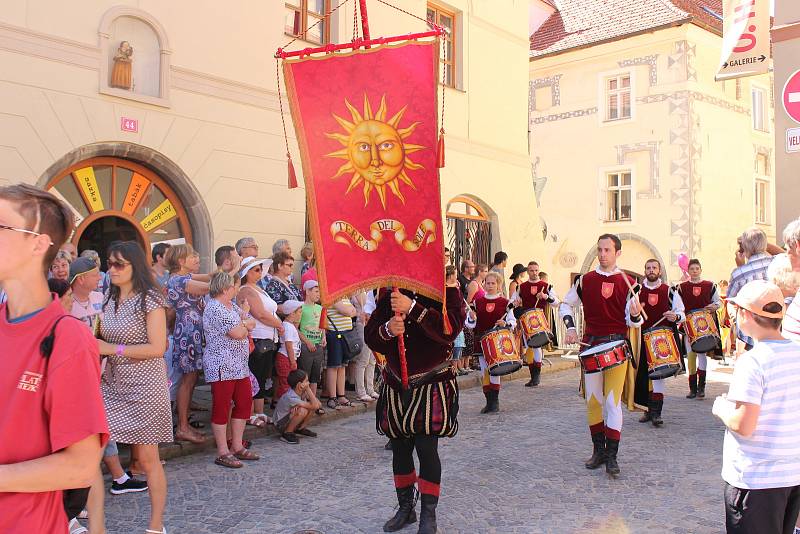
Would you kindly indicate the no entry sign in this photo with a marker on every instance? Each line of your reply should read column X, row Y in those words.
column 791, row 96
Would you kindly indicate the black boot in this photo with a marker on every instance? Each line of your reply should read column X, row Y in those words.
column 529, row 383
column 427, row 515
column 494, row 401
column 612, row 467
column 701, row 384
column 692, row 387
column 656, row 409
column 405, row 513
column 536, row 375
column 486, row 394
column 599, row 455
column 648, row 415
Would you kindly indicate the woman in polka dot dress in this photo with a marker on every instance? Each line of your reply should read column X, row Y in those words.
column 135, row 388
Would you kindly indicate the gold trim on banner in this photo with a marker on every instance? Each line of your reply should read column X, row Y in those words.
column 344, row 232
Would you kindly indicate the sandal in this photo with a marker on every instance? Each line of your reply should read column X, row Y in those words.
column 332, row 404
column 319, row 411
column 191, row 437
column 247, row 455
column 246, row 443
column 162, row 531
column 345, row 403
column 196, row 424
column 228, row 460
column 256, row 421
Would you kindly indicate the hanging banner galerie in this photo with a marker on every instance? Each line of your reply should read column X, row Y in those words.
column 366, row 126
column 745, row 39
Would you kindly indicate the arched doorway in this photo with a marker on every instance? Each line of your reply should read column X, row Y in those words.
column 469, row 231
column 117, row 199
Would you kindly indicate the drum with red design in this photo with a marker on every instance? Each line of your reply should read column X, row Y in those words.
column 663, row 357
column 604, row 356
column 702, row 331
column 535, row 328
column 500, row 351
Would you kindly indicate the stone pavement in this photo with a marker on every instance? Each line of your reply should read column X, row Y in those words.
column 519, row 471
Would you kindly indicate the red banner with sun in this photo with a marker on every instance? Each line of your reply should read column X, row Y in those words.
column 366, row 126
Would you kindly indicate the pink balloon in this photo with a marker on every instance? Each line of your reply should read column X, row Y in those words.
column 683, row 262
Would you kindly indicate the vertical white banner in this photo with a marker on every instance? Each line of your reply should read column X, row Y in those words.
column 745, row 39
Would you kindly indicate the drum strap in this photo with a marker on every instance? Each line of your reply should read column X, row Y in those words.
column 596, row 340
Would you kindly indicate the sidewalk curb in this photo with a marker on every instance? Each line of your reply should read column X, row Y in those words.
column 178, row 449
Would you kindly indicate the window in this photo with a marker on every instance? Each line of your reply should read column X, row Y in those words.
column 446, row 20
column 308, row 16
column 762, row 201
column 618, row 196
column 618, row 97
column 759, row 110
column 762, row 164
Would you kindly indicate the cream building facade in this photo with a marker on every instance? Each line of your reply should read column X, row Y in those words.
column 631, row 135
column 786, row 51
column 183, row 139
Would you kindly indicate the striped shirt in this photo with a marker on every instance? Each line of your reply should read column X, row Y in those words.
column 755, row 269
column 342, row 322
column 768, row 376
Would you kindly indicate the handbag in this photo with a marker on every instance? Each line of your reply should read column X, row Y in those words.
column 352, row 340
column 263, row 346
column 74, row 499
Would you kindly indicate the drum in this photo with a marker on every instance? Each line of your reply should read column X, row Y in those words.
column 604, row 356
column 535, row 328
column 702, row 331
column 663, row 357
column 500, row 351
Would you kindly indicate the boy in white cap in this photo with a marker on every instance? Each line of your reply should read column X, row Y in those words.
column 761, row 453
column 289, row 350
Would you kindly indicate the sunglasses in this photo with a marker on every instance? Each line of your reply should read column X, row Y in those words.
column 256, row 269
column 22, row 231
column 118, row 265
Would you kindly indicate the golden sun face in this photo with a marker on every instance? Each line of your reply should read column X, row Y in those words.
column 375, row 151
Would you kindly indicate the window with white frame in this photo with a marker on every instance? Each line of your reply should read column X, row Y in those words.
column 618, row 97
column 448, row 54
column 762, row 201
column 618, row 196
column 760, row 114
column 308, row 16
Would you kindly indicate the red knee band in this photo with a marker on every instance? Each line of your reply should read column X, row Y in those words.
column 537, row 364
column 493, row 387
column 612, row 434
column 657, row 396
column 428, row 488
column 404, row 481
column 598, row 428
column 701, row 372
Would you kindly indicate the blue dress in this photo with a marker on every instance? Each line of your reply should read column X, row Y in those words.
column 187, row 350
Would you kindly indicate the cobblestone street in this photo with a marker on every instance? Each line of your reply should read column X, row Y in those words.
column 520, row 471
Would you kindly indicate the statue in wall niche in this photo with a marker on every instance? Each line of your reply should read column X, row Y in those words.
column 121, row 76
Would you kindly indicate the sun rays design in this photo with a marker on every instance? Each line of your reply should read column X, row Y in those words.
column 375, row 151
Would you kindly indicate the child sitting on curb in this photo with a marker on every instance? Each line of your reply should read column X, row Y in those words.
column 295, row 408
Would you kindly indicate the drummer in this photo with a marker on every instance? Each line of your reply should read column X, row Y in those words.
column 698, row 294
column 663, row 305
column 534, row 293
column 491, row 309
column 609, row 308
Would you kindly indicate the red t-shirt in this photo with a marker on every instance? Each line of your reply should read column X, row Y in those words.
column 696, row 295
column 489, row 311
column 605, row 301
column 528, row 292
column 655, row 303
column 45, row 409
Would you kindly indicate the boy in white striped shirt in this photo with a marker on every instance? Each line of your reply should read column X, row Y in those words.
column 761, row 452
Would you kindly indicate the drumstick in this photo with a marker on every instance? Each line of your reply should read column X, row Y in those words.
column 584, row 344
column 658, row 322
column 630, row 287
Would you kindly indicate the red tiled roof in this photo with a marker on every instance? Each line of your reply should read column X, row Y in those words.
column 579, row 23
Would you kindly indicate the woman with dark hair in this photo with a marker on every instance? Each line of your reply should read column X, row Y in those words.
column 64, row 292
column 280, row 288
column 518, row 276
column 135, row 389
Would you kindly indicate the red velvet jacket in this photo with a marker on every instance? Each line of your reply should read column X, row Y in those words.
column 427, row 346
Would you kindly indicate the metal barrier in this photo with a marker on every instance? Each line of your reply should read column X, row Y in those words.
column 561, row 331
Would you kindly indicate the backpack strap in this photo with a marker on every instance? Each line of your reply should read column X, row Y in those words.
column 47, row 344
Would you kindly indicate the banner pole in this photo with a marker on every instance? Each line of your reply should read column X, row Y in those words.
column 364, row 21
column 401, row 350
